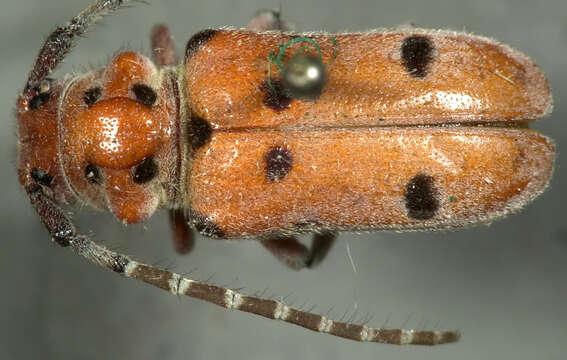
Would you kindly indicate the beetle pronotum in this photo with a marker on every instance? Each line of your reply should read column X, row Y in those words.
column 262, row 133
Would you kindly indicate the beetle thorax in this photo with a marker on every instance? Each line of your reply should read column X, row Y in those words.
column 118, row 138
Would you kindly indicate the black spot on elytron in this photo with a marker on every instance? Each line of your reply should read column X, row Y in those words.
column 278, row 163
column 204, row 225
column 145, row 171
column 92, row 174
column 41, row 177
column 39, row 100
column 421, row 197
column 200, row 132
column 144, row 94
column 119, row 263
column 276, row 96
column 197, row 40
column 92, row 95
column 417, row 53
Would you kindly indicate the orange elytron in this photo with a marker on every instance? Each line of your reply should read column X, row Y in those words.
column 262, row 133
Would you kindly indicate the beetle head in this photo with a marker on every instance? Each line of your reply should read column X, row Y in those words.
column 38, row 162
column 106, row 136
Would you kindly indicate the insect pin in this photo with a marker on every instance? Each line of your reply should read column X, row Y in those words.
column 267, row 134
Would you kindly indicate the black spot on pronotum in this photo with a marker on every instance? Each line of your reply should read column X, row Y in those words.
column 304, row 76
column 144, row 94
column 417, row 53
column 200, row 132
column 92, row 174
column 279, row 162
column 421, row 197
column 118, row 263
column 41, row 177
column 197, row 40
column 275, row 96
column 204, row 225
column 145, row 171
column 92, row 95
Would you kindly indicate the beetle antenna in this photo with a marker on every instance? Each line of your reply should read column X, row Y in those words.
column 63, row 232
column 60, row 41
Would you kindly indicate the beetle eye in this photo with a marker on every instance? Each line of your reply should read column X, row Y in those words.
column 92, row 174
column 43, row 94
column 41, row 177
column 145, row 171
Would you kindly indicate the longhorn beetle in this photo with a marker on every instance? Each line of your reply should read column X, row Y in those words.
column 263, row 133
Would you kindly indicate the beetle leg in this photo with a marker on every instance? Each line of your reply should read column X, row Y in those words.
column 269, row 19
column 183, row 236
column 163, row 46
column 288, row 250
column 320, row 246
column 295, row 255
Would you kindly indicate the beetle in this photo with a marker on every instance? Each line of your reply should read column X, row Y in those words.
column 265, row 134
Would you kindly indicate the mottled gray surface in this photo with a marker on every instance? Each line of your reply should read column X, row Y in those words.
column 503, row 286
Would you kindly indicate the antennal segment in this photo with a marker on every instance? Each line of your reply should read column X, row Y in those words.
column 60, row 41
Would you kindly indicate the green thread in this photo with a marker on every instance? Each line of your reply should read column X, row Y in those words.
column 335, row 51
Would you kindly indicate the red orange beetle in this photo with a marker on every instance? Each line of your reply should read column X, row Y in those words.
column 262, row 133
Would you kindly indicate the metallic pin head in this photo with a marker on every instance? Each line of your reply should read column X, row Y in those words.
column 304, row 76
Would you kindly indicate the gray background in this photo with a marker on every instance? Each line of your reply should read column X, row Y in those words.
column 503, row 286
